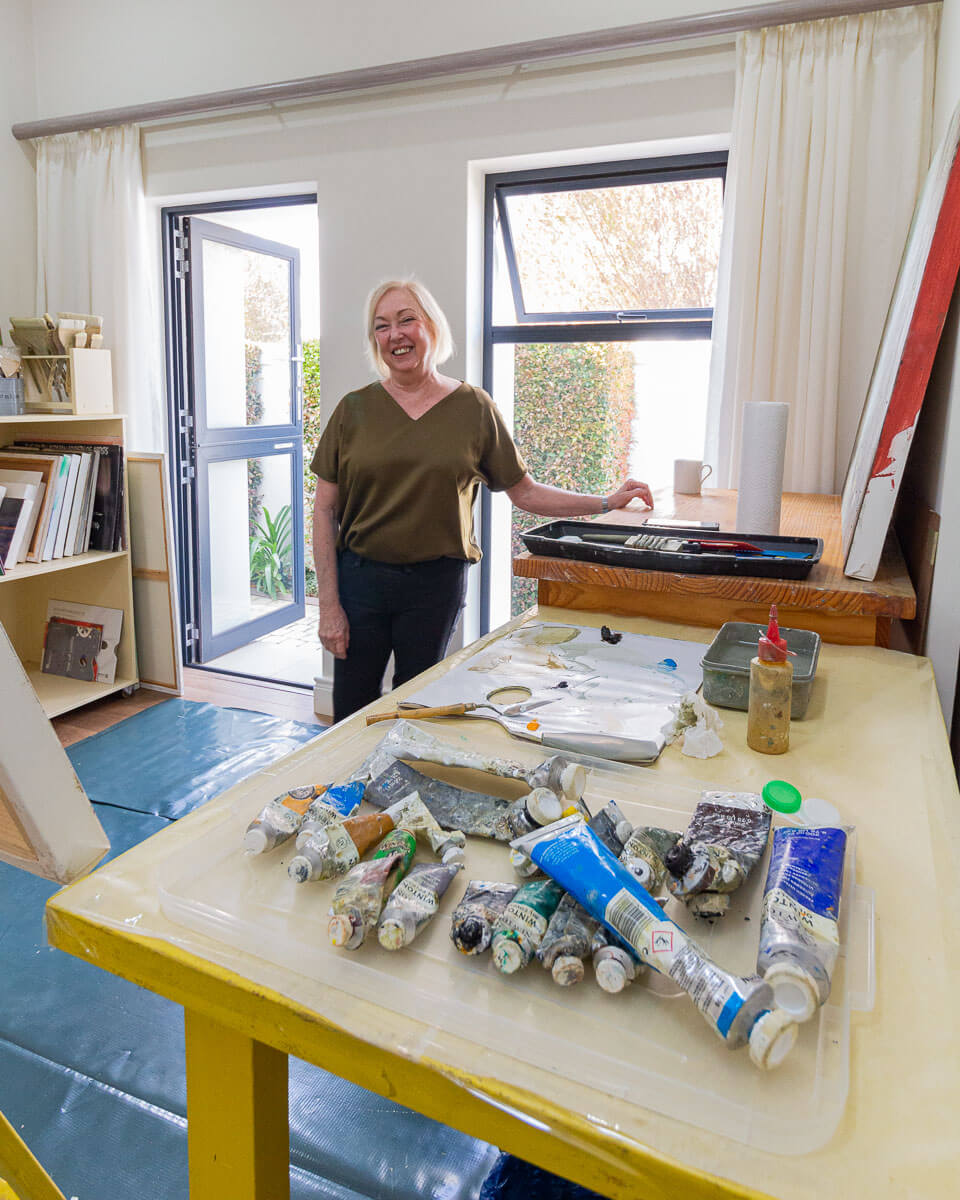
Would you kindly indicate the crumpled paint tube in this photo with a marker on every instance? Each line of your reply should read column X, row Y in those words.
column 340, row 800
column 279, row 820
column 411, row 813
column 338, row 847
column 644, row 853
column 409, row 740
column 725, row 839
column 413, row 902
column 741, row 1010
column 569, row 938
column 614, row 965
column 360, row 896
column 471, row 926
column 519, row 929
column 474, row 813
column 799, row 934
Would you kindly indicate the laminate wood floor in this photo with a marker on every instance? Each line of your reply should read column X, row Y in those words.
column 229, row 691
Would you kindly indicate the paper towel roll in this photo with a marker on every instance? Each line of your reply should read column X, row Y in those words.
column 763, row 442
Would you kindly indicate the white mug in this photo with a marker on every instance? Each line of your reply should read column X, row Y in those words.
column 689, row 475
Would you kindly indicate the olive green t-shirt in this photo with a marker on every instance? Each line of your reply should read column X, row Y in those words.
column 406, row 488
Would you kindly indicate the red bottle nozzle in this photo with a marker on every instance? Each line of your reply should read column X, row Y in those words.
column 772, row 647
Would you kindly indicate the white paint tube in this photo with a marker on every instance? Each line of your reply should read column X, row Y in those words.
column 740, row 1010
column 279, row 820
column 411, row 813
column 413, row 902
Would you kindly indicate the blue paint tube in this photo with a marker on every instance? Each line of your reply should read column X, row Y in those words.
column 799, row 938
column 741, row 1010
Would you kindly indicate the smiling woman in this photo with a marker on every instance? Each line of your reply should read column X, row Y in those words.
column 398, row 468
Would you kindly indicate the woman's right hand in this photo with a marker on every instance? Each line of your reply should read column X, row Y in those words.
column 333, row 630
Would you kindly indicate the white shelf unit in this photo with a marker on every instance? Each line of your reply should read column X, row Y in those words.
column 97, row 577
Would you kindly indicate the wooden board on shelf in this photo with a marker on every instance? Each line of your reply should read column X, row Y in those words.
column 154, row 596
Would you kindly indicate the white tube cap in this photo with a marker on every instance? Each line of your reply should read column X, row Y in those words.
column 772, row 1038
column 567, row 970
column 343, row 932
column 300, row 868
column 507, row 955
column 573, row 781
column 256, row 841
column 793, row 990
column 544, row 806
column 397, row 932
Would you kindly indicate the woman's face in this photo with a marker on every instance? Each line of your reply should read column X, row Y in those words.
column 401, row 332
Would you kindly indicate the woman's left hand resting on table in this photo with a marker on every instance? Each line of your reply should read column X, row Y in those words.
column 547, row 501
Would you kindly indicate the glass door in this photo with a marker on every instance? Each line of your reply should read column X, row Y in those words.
column 247, row 431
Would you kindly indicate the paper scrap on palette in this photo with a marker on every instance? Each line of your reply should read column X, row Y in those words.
column 586, row 684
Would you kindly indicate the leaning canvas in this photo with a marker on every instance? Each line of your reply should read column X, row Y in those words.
column 908, row 346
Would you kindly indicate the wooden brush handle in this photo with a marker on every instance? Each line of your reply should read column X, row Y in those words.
column 414, row 714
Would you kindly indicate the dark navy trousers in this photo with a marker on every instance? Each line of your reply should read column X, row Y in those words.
column 410, row 610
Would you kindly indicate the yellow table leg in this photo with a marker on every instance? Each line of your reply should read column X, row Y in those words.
column 238, row 1133
column 21, row 1176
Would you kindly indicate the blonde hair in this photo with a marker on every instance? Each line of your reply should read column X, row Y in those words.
column 438, row 327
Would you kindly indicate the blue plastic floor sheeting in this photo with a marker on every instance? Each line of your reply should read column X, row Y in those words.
column 169, row 758
column 92, row 1066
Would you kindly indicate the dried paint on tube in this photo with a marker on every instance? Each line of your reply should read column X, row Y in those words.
column 411, row 813
column 340, row 800
column 413, row 902
column 520, row 927
column 471, row 927
column 453, row 808
column 740, row 1010
column 567, row 941
column 360, row 896
column 338, row 847
column 279, row 820
column 799, row 933
column 724, row 841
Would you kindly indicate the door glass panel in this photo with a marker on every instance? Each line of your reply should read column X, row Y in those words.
column 247, row 337
column 250, row 539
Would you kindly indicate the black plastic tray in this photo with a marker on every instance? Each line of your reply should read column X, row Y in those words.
column 545, row 540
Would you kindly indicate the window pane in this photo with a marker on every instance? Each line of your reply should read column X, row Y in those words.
column 246, row 307
column 636, row 246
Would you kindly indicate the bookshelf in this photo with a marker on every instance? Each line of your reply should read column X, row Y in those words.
column 95, row 577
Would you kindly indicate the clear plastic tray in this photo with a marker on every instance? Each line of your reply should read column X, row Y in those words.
column 647, row 1045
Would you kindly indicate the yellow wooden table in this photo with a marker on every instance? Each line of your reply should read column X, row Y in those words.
column 873, row 742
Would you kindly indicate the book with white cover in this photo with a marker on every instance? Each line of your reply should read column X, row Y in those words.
column 111, row 619
column 61, row 474
column 79, row 497
column 67, row 506
column 31, row 495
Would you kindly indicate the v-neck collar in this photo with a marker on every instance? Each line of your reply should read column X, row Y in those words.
column 426, row 412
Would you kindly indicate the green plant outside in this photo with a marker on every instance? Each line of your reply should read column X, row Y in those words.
column 312, row 428
column 572, row 410
column 270, row 553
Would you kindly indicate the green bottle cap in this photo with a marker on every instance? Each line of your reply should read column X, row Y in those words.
column 781, row 796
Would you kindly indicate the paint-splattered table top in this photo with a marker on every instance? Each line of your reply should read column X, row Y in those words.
column 842, row 610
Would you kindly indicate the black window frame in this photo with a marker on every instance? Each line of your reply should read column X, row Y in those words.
column 612, row 326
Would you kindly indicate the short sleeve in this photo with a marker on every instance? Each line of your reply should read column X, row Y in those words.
column 326, row 457
column 501, row 465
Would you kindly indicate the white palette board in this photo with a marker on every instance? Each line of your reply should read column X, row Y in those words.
column 592, row 686
column 648, row 1046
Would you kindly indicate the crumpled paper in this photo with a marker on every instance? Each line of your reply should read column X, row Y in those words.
column 698, row 723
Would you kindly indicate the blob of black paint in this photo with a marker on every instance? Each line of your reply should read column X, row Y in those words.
column 609, row 636
column 562, row 684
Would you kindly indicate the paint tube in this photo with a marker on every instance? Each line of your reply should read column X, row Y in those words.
column 409, row 740
column 610, row 826
column 413, row 902
column 340, row 800
column 360, row 895
column 539, row 807
column 614, row 966
column 471, row 927
column 457, row 808
column 279, row 820
column 567, row 941
column 338, row 847
column 520, row 927
column 739, row 1009
column 725, row 839
column 799, row 936
column 411, row 813
column 645, row 851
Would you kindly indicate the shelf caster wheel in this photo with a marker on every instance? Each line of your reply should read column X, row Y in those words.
column 128, row 691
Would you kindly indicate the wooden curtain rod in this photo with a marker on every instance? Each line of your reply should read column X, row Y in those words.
column 624, row 37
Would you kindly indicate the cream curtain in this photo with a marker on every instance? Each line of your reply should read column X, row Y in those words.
column 830, row 144
column 92, row 256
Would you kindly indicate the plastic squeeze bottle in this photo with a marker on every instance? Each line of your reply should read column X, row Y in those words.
column 771, row 685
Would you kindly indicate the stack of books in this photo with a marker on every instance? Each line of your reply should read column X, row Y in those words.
column 61, row 498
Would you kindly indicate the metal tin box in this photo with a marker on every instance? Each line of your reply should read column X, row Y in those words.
column 726, row 665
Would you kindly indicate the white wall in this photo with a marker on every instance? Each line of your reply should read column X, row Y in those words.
column 18, row 203
column 120, row 54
